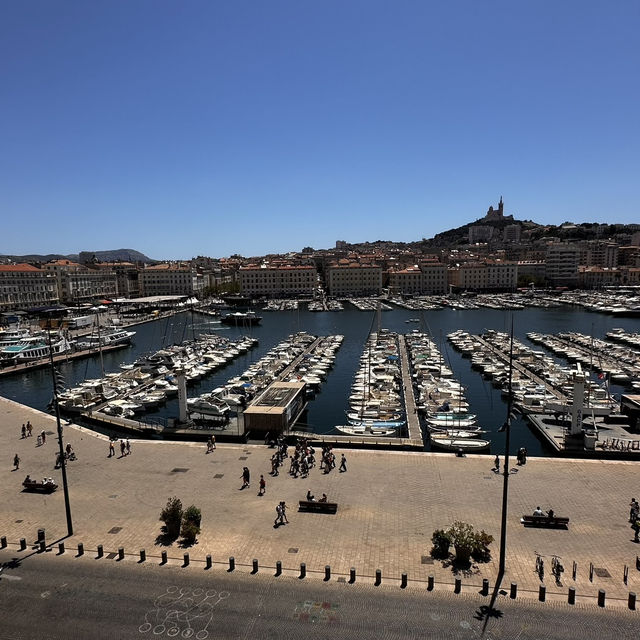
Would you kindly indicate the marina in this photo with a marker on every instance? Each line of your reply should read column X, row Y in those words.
column 331, row 400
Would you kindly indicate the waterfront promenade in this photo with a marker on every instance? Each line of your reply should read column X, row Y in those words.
column 389, row 505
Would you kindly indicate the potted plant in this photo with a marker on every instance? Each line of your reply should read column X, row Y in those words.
column 464, row 540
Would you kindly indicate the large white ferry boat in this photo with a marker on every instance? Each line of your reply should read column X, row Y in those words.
column 31, row 349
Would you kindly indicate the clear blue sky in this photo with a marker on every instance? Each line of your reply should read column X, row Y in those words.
column 216, row 127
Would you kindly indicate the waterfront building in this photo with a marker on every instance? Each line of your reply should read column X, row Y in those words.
column 278, row 280
column 23, row 286
column 426, row 278
column 484, row 276
column 562, row 261
column 79, row 283
column 598, row 277
column 170, row 279
column 127, row 277
column 348, row 278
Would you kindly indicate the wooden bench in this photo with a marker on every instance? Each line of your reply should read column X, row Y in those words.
column 318, row 507
column 42, row 487
column 555, row 522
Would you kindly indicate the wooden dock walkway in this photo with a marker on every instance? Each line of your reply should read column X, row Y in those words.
column 413, row 421
column 64, row 357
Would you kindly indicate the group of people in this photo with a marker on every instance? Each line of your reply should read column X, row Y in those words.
column 45, row 481
column 125, row 448
column 539, row 512
column 27, row 430
column 311, row 497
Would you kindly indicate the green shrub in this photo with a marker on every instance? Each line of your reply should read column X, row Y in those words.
column 191, row 519
column 482, row 552
column 171, row 515
column 441, row 543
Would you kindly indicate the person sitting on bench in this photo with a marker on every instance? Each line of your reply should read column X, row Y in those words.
column 310, row 498
column 538, row 512
column 28, row 480
column 550, row 514
column 324, row 498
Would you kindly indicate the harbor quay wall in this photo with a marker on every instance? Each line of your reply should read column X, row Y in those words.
column 389, row 504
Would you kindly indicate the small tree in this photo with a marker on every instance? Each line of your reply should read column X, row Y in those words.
column 191, row 524
column 171, row 515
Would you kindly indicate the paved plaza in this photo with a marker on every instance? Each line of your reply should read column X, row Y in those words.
column 389, row 505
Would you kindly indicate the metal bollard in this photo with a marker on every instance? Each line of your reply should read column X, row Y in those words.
column 163, row 556
column 378, row 581
column 303, row 570
column 572, row 595
column 120, row 553
column 278, row 568
column 255, row 565
column 186, row 560
column 232, row 563
column 601, row 597
column 574, row 573
column 485, row 587
column 430, row 583
column 41, row 535
column 327, row 572
column 457, row 585
column 542, row 593
column 23, row 544
column 3, row 542
column 100, row 551
column 632, row 600
column 60, row 548
column 591, row 572
column 80, row 548
column 513, row 594
column 143, row 555
column 352, row 575
column 625, row 574
column 42, row 546
column 403, row 581
column 638, row 563
column 209, row 562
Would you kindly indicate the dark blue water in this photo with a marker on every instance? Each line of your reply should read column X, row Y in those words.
column 328, row 408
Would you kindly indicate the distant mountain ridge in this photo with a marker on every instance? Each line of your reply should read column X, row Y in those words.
column 113, row 255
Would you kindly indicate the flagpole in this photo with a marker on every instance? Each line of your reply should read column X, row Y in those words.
column 63, row 464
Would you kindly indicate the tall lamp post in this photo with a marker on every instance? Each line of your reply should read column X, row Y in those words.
column 63, row 464
column 505, row 485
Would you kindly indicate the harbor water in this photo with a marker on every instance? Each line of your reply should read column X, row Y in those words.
column 34, row 388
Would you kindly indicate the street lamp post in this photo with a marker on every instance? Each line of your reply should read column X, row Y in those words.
column 63, row 464
column 505, row 485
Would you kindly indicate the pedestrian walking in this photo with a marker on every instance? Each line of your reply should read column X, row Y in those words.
column 634, row 510
column 43, row 436
column 39, row 441
column 263, row 486
column 127, row 444
column 278, row 520
column 246, row 477
column 16, row 462
column 496, row 463
column 635, row 525
column 213, row 441
column 112, row 449
column 343, row 464
column 23, row 431
column 29, row 429
column 123, row 448
column 209, row 446
column 284, row 512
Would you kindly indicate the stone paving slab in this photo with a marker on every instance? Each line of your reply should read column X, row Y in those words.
column 389, row 505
